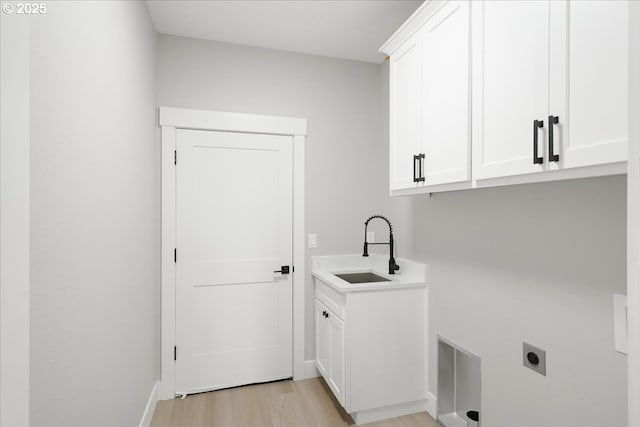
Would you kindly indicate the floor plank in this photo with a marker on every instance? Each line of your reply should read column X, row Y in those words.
column 162, row 415
column 308, row 403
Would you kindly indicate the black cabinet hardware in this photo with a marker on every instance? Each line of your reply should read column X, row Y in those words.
column 418, row 167
column 553, row 120
column 536, row 125
column 421, row 168
column 284, row 270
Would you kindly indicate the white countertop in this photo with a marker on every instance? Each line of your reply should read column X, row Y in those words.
column 411, row 274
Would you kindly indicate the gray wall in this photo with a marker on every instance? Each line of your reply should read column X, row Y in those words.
column 14, row 220
column 347, row 154
column 95, row 214
column 536, row 263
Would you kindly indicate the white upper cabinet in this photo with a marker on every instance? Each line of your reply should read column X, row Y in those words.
column 549, row 85
column 429, row 99
column 493, row 92
column 405, row 106
column 589, row 81
column 510, row 86
column 445, row 95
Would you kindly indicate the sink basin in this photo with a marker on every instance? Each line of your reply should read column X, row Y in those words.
column 366, row 277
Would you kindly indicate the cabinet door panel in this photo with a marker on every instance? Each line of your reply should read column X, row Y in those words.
column 405, row 111
column 322, row 340
column 445, row 102
column 510, row 85
column 336, row 376
column 589, row 81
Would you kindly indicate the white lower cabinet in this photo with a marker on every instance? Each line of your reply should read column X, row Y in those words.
column 371, row 349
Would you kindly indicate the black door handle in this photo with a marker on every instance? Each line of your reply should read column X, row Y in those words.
column 553, row 120
column 536, row 125
column 416, row 161
column 284, row 270
column 421, row 168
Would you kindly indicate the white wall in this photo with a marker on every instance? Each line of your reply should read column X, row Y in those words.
column 95, row 214
column 633, row 184
column 14, row 221
column 536, row 263
column 346, row 158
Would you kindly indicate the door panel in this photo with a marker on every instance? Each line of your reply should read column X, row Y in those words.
column 589, row 77
column 234, row 229
column 445, row 102
column 322, row 340
column 511, row 84
column 405, row 104
column 336, row 366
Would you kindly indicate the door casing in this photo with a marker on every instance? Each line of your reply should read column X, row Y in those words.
column 170, row 119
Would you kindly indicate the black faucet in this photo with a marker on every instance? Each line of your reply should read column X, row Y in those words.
column 393, row 267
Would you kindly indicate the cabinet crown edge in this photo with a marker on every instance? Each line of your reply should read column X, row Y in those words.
column 411, row 25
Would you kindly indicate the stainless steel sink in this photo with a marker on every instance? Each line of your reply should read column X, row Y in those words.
column 366, row 277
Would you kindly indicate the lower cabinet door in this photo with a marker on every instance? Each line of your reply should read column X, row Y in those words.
column 336, row 378
column 330, row 351
column 322, row 340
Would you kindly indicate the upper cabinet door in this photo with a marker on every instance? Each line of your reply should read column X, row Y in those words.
column 445, row 89
column 405, row 119
column 510, row 86
column 589, row 82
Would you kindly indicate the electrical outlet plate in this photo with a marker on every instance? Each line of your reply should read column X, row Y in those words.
column 313, row 241
column 541, row 366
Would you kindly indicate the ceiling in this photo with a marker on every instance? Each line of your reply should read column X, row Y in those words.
column 349, row 29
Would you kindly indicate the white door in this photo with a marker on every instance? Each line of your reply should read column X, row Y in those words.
column 406, row 116
column 589, row 82
column 233, row 231
column 445, row 89
column 510, row 86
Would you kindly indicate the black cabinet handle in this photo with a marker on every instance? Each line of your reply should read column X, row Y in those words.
column 418, row 167
column 324, row 313
column 536, row 125
column 553, row 120
column 421, row 168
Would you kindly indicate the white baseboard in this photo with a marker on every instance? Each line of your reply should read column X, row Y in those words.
column 310, row 370
column 145, row 421
column 378, row 414
column 432, row 405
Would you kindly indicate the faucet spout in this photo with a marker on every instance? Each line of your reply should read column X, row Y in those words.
column 393, row 266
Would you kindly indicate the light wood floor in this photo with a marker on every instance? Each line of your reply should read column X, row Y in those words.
column 307, row 403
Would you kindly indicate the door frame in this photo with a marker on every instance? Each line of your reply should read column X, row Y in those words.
column 170, row 119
